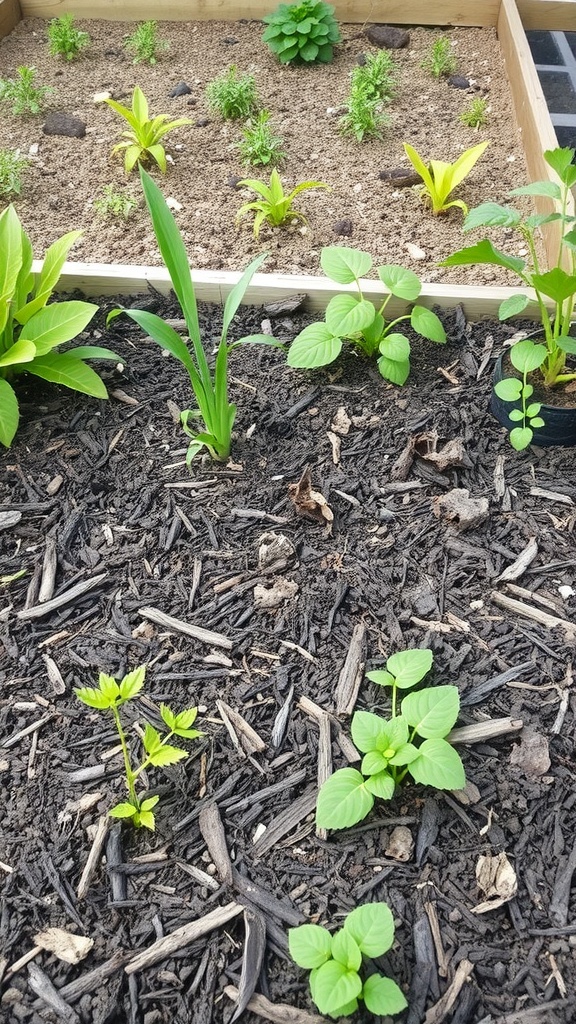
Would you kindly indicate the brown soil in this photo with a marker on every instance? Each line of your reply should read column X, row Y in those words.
column 67, row 174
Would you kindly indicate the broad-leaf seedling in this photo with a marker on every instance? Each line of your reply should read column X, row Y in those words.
column 439, row 179
column 65, row 40
column 25, row 96
column 411, row 742
column 275, row 206
column 144, row 43
column 142, row 138
column 234, row 96
column 338, row 980
column 353, row 318
column 158, row 751
column 302, row 33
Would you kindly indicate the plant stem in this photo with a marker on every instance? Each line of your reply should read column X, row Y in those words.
column 130, row 775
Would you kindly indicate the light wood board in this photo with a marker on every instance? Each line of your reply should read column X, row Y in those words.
column 553, row 15
column 10, row 15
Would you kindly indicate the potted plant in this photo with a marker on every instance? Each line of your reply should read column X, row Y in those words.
column 533, row 369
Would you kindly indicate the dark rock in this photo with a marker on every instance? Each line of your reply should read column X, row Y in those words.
column 60, row 123
column 202, row 122
column 458, row 82
column 112, row 53
column 233, row 180
column 361, row 60
column 343, row 227
column 192, row 102
column 400, row 177
column 230, row 40
column 181, row 89
column 387, row 37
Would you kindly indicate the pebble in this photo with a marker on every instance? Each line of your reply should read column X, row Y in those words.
column 415, row 252
column 60, row 123
column 101, row 97
column 458, row 82
column 343, row 228
column 181, row 89
column 387, row 37
column 173, row 204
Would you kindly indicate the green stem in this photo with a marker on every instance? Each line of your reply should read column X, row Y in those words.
column 130, row 775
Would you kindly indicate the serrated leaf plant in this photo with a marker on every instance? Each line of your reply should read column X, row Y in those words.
column 275, row 206
column 232, row 95
column 411, row 742
column 352, row 318
column 439, row 179
column 338, row 978
column 545, row 356
column 144, row 43
column 64, row 39
column 110, row 695
column 32, row 329
column 142, row 140
column 209, row 424
column 302, row 33
column 25, row 96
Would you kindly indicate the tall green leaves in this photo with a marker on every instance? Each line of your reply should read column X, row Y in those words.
column 439, row 179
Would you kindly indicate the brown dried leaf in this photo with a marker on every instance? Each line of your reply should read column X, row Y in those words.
column 497, row 880
column 457, row 505
column 310, row 503
column 65, row 945
column 450, row 454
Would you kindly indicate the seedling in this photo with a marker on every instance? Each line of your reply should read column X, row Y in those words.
column 275, row 206
column 376, row 77
column 302, row 33
column 144, row 43
column 22, row 93
column 259, row 146
column 142, row 138
column 440, row 178
column 372, row 85
column 12, row 167
column 355, row 319
column 112, row 202
column 338, row 981
column 65, row 40
column 159, row 753
column 232, row 95
column 440, row 59
column 476, row 114
column 412, row 742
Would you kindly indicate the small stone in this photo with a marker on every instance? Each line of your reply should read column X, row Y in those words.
column 202, row 122
column 33, row 150
column 399, row 177
column 387, row 37
column 101, row 97
column 173, row 204
column 401, row 844
column 415, row 252
column 60, row 123
column 361, row 60
column 458, row 82
column 180, row 89
column 343, row 228
column 192, row 101
column 55, row 484
column 566, row 591
column 230, row 41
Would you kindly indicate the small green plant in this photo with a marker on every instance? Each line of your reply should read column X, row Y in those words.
column 158, row 752
column 365, row 118
column 213, row 410
column 557, row 284
column 440, row 59
column 440, row 178
column 410, row 742
column 112, row 202
column 64, row 39
column 337, row 979
column 31, row 330
column 12, row 167
column 232, row 95
column 22, row 93
column 144, row 43
column 142, row 138
column 476, row 113
column 302, row 33
column 376, row 77
column 275, row 206
column 259, row 146
column 355, row 319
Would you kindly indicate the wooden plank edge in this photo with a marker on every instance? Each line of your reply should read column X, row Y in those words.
column 10, row 16
column 549, row 15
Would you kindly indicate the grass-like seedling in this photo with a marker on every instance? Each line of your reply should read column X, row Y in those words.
column 410, row 742
column 64, row 39
column 232, row 95
column 372, row 85
column 22, row 93
column 302, row 33
column 142, row 138
column 158, row 751
column 112, row 202
column 259, row 145
column 144, row 43
column 440, row 60
column 12, row 167
column 439, row 179
column 338, row 981
column 275, row 206
column 476, row 113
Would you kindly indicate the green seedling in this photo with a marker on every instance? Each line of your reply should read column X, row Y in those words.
column 365, row 118
column 232, row 95
column 275, row 206
column 22, row 93
column 31, row 330
column 440, row 178
column 142, row 138
column 112, row 202
column 64, row 39
column 259, row 146
column 476, row 114
column 547, row 355
column 158, row 751
column 350, row 317
column 12, row 167
column 144, row 43
column 302, row 33
column 338, row 980
column 5, row 581
column 377, row 76
column 440, row 60
column 411, row 742
column 209, row 424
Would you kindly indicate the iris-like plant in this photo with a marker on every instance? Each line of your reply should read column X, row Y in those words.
column 65, row 40
column 275, row 206
column 302, row 32
column 440, row 59
column 335, row 962
column 234, row 96
column 355, row 319
column 440, row 178
column 144, row 43
column 22, row 93
column 142, row 139
column 158, row 751
column 259, row 146
column 31, row 330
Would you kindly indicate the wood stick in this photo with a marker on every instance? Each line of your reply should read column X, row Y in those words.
column 324, row 761
column 529, row 612
column 26, row 732
column 285, row 822
column 214, row 836
column 482, row 731
column 42, row 986
column 437, row 1013
column 244, row 737
column 276, row 1013
column 94, row 856
column 351, row 673
column 206, row 636
column 49, row 567
column 168, row 944
column 519, row 566
column 37, row 611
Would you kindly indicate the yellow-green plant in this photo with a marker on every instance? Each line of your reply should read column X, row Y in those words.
column 440, row 178
column 275, row 206
column 142, row 138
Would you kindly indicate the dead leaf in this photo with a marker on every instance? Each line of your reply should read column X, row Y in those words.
column 401, row 844
column 65, row 945
column 341, row 422
column 274, row 547
column 497, row 880
column 457, row 506
column 531, row 754
column 450, row 454
column 310, row 503
column 281, row 590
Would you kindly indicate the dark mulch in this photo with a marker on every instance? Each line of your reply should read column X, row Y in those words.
column 127, row 512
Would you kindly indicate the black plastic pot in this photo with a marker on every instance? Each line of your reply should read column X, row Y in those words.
column 559, row 423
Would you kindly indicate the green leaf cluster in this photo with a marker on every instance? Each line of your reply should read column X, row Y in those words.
column 440, row 60
column 372, row 85
column 336, row 962
column 31, row 330
column 144, row 43
column 259, row 146
column 275, row 206
column 475, row 115
column 25, row 96
column 142, row 138
column 232, row 95
column 12, row 167
column 302, row 33
column 439, row 179
column 113, row 202
column 412, row 742
column 350, row 317
column 64, row 39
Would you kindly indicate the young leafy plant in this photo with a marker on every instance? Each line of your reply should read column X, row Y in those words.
column 22, row 93
column 275, row 206
column 259, row 146
column 158, row 751
column 232, row 95
column 142, row 138
column 476, row 113
column 209, row 424
column 31, row 330
column 355, row 319
column 365, row 118
column 302, row 33
column 412, row 741
column 12, row 167
column 546, row 356
column 113, row 202
column 440, row 178
column 144, row 43
column 440, row 59
column 65, row 40
column 338, row 981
